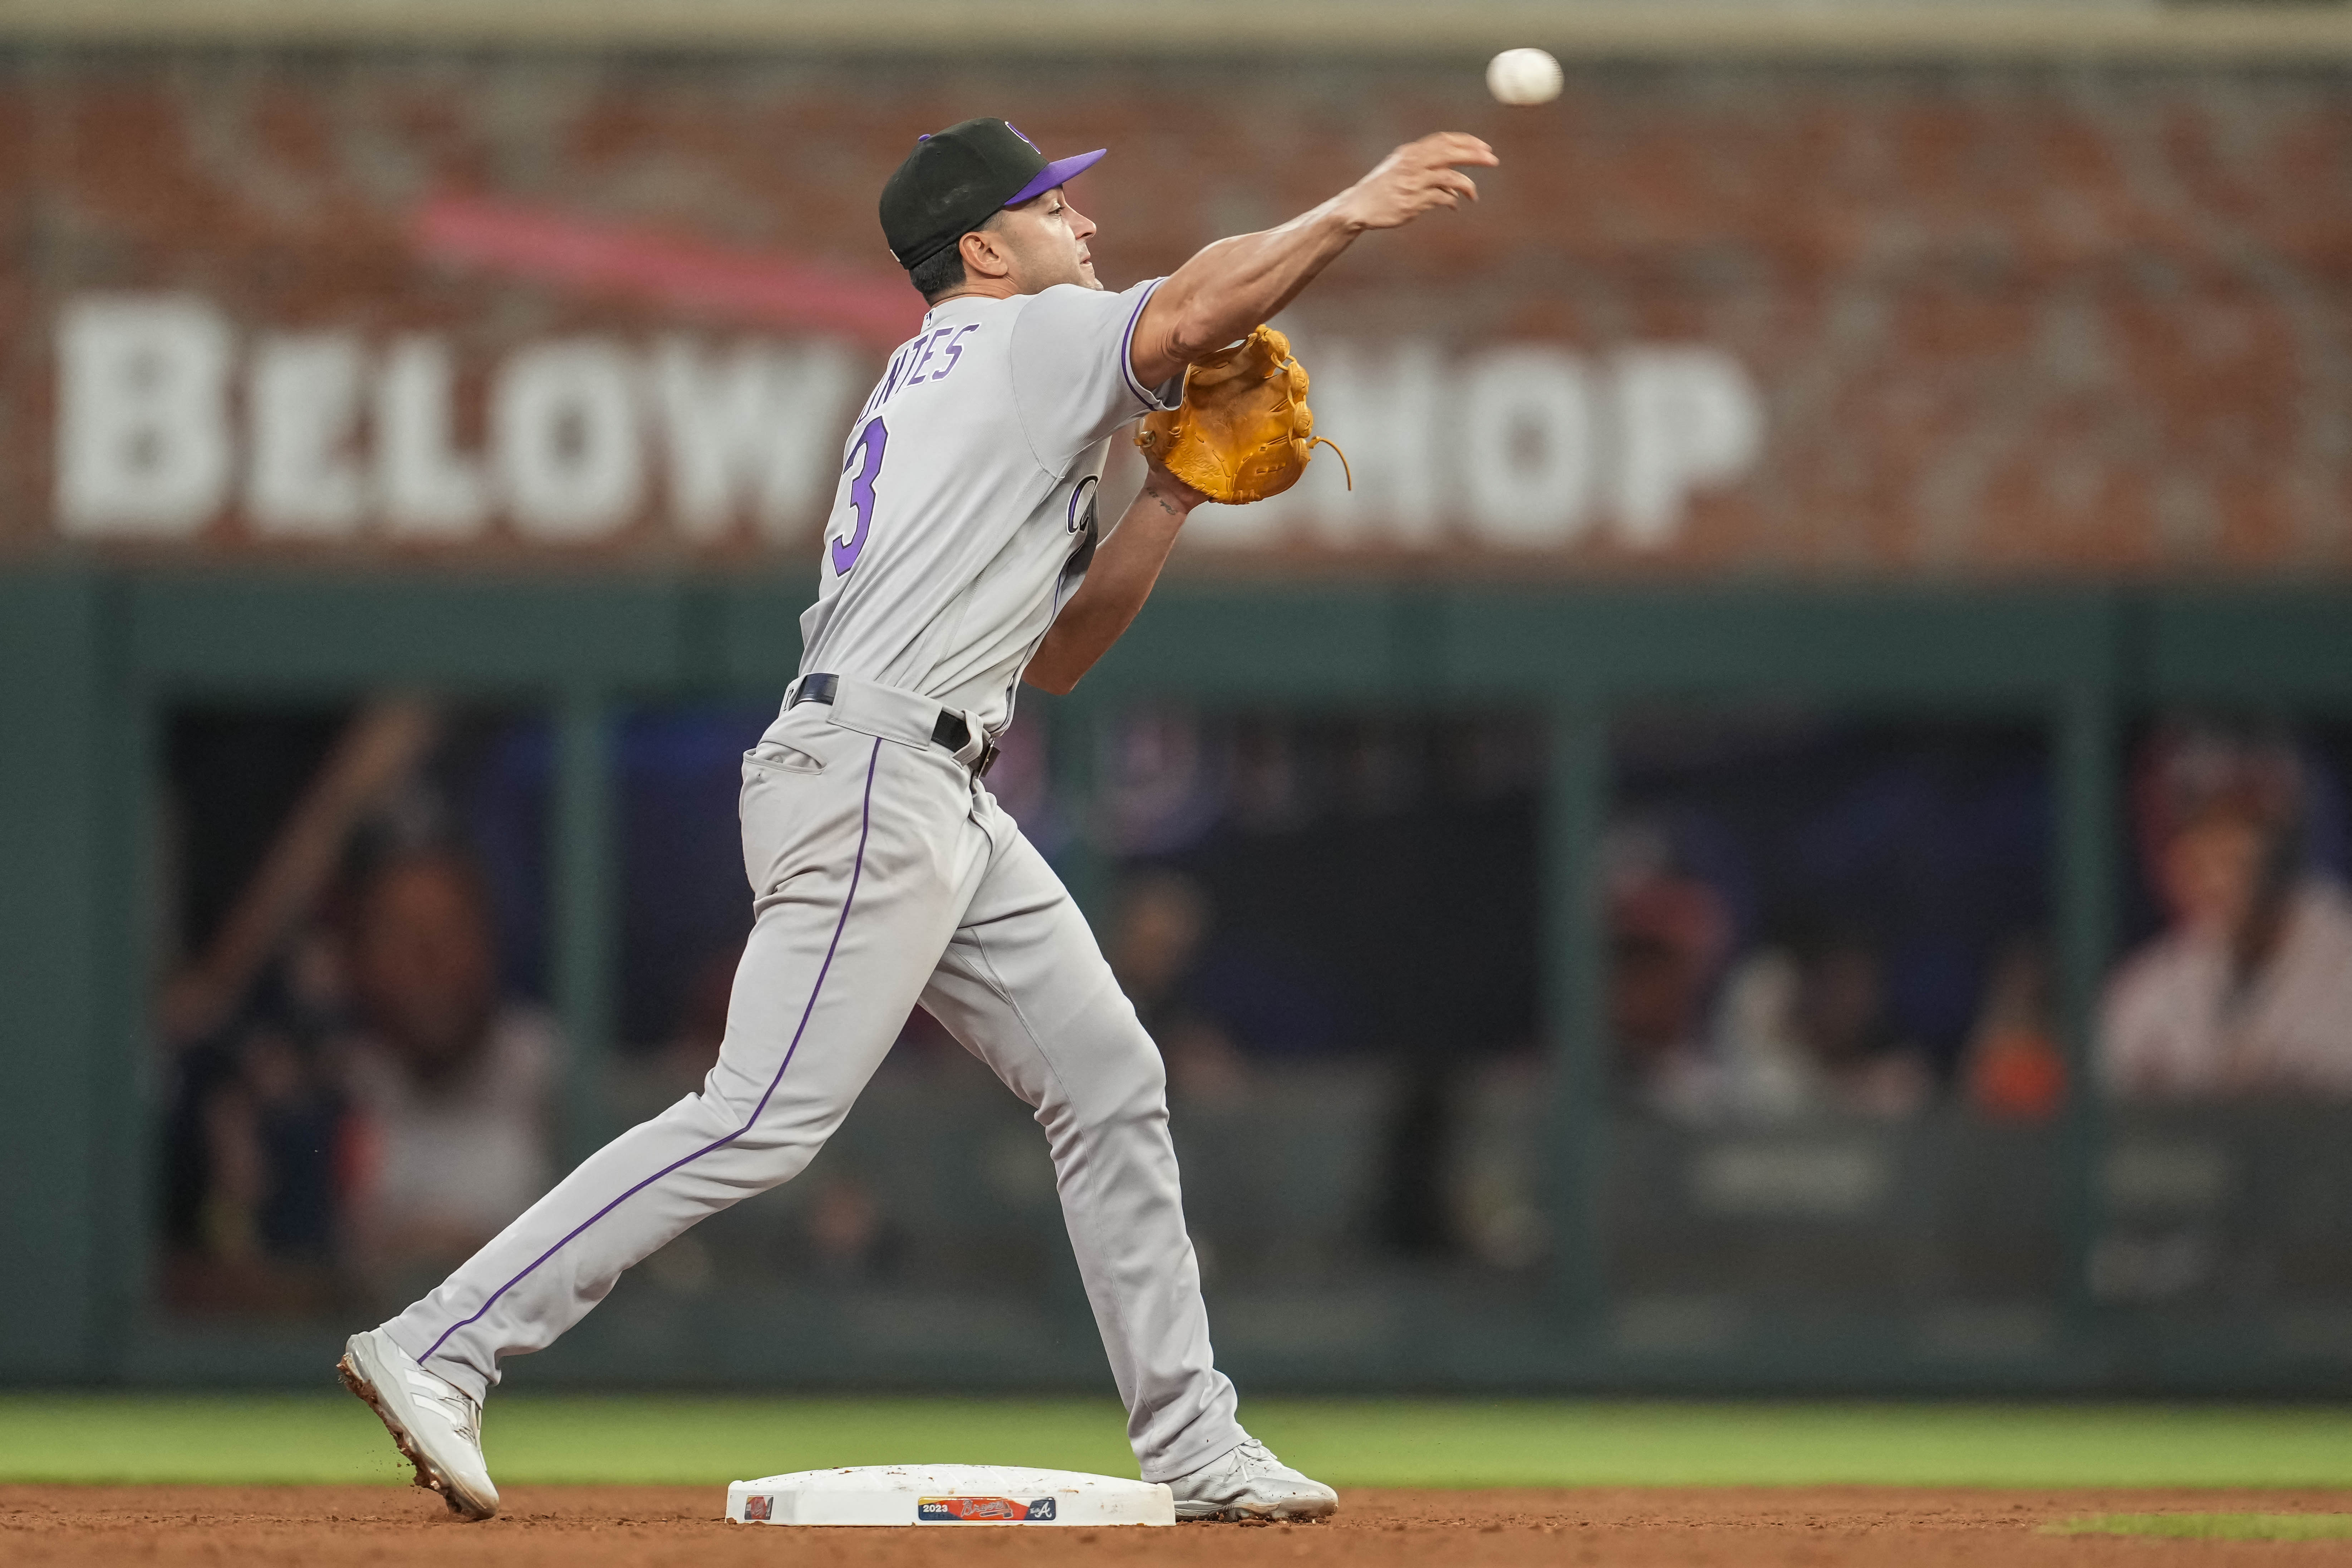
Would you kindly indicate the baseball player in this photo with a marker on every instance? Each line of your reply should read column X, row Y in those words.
column 961, row 555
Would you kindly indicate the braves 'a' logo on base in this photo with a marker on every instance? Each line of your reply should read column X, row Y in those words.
column 755, row 1508
column 982, row 1510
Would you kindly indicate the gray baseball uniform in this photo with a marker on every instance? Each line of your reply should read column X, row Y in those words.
column 884, row 875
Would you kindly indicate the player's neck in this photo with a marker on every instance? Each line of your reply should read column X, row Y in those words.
column 978, row 289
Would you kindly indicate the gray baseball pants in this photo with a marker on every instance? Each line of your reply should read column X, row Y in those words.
column 883, row 875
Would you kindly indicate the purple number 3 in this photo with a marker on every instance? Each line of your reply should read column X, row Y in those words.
column 871, row 442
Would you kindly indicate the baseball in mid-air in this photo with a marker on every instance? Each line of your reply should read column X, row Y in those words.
column 1523, row 76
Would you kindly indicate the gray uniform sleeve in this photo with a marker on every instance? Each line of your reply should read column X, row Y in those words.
column 1073, row 379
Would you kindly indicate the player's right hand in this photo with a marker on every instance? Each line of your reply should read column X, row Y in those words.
column 1415, row 178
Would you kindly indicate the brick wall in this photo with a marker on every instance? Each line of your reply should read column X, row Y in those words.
column 1796, row 321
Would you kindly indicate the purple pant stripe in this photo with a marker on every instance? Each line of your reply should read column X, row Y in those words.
column 865, row 824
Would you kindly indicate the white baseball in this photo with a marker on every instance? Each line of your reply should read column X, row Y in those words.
column 1523, row 76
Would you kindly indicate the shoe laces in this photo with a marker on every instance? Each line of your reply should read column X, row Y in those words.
column 1253, row 1458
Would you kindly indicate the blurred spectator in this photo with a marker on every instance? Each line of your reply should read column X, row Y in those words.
column 1155, row 947
column 2248, row 991
column 1859, row 1066
column 642, row 1084
column 1268, row 790
column 1806, row 1031
column 452, row 1084
column 1160, row 788
column 2014, row 1069
column 849, row 1238
column 1667, row 933
column 692, row 1049
column 1765, row 1073
column 255, row 1182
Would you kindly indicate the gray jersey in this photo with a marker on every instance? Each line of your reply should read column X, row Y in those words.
column 965, row 515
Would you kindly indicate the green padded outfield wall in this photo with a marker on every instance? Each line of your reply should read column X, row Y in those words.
column 91, row 657
column 340, row 362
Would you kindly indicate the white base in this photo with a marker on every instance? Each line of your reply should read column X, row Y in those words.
column 948, row 1495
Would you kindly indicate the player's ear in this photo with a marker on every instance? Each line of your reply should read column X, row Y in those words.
column 985, row 255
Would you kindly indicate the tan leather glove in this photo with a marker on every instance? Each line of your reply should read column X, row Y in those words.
column 1242, row 431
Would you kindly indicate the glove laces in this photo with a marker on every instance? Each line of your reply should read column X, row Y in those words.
column 1344, row 469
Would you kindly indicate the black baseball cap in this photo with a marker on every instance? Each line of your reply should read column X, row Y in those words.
column 954, row 179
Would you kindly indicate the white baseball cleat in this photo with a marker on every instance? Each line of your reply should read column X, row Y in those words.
column 437, row 1425
column 1249, row 1482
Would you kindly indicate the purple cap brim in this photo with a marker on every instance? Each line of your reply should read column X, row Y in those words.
column 1059, row 172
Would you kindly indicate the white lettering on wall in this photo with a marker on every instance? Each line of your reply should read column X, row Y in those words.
column 337, row 437
column 1387, row 403
column 750, row 430
column 1518, row 446
column 302, row 409
column 1687, row 417
column 143, row 447
column 426, row 488
column 563, row 423
column 1526, row 446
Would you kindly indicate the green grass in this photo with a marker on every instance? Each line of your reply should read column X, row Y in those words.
column 1441, row 1442
column 2214, row 1526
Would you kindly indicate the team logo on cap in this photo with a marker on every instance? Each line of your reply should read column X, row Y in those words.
column 1018, row 131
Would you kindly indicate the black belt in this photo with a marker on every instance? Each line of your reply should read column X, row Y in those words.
column 951, row 731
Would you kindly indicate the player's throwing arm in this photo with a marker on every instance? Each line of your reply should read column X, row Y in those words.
column 1234, row 284
column 1218, row 296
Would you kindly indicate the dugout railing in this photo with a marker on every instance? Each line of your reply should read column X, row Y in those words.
column 92, row 659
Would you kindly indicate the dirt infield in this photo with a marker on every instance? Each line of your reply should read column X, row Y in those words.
column 592, row 1526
